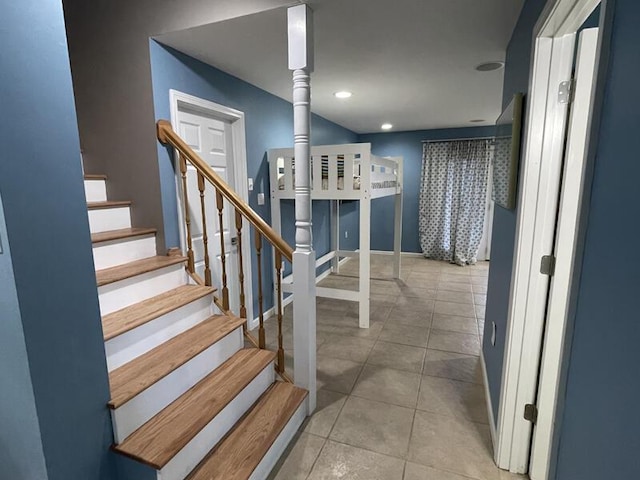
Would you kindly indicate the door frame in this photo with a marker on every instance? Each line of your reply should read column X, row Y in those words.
column 542, row 160
column 241, row 184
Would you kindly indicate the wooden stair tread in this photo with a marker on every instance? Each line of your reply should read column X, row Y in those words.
column 128, row 318
column 108, row 204
column 94, row 176
column 136, row 376
column 138, row 267
column 120, row 234
column 162, row 437
column 240, row 452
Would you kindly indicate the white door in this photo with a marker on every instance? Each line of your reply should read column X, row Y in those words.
column 564, row 248
column 211, row 139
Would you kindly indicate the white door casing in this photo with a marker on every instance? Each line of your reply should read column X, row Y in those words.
column 543, row 153
column 216, row 134
column 566, row 238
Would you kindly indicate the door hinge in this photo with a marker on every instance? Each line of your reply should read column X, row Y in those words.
column 530, row 413
column 565, row 92
column 548, row 265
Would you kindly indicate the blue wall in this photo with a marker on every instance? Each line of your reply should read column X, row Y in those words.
column 516, row 79
column 599, row 428
column 48, row 235
column 21, row 454
column 268, row 124
column 409, row 146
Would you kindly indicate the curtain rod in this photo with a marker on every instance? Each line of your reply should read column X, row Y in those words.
column 462, row 139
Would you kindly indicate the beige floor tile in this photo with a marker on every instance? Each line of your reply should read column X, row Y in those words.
column 454, row 398
column 400, row 357
column 454, row 269
column 405, row 334
column 479, row 289
column 349, row 327
column 406, row 316
column 455, row 287
column 451, row 308
column 454, row 342
column 420, row 289
column 336, row 374
column 450, row 278
column 479, row 299
column 339, row 461
column 376, row 426
column 418, row 304
column 454, row 323
column 298, row 459
column 455, row 297
column 476, row 280
column 456, row 366
column 452, row 444
column 328, row 407
column 347, row 348
column 414, row 471
column 480, row 309
column 388, row 385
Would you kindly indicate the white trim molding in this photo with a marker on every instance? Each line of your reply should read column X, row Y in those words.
column 541, row 182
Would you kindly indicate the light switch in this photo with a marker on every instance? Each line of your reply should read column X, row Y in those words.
column 251, row 184
column 261, row 199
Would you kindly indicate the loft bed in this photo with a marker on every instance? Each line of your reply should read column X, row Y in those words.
column 342, row 172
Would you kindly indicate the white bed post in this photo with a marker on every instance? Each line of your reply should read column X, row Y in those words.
column 300, row 20
column 397, row 227
column 365, row 239
column 335, row 235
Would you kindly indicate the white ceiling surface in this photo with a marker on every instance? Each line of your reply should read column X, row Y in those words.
column 407, row 62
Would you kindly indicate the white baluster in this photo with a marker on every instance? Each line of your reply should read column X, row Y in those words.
column 304, row 269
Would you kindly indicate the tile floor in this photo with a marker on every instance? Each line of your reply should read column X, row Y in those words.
column 404, row 399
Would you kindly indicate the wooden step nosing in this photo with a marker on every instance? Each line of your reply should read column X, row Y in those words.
column 232, row 325
column 254, row 411
column 260, row 377
column 121, row 234
column 196, row 293
column 135, row 268
column 108, row 204
column 94, row 176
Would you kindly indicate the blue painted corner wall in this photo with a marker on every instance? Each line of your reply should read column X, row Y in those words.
column 268, row 124
column 47, row 232
column 409, row 146
column 598, row 434
column 516, row 79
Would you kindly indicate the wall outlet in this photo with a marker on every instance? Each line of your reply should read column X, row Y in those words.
column 493, row 333
column 346, row 234
column 261, row 199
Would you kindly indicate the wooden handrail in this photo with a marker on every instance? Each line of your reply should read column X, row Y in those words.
column 167, row 136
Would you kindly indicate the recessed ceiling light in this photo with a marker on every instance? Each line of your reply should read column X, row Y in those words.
column 489, row 66
column 477, row 120
column 386, row 126
column 343, row 94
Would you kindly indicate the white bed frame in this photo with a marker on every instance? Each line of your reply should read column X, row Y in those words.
column 374, row 177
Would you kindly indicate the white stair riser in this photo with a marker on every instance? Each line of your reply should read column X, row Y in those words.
column 119, row 252
column 191, row 455
column 105, row 219
column 118, row 295
column 278, row 447
column 95, row 190
column 132, row 344
column 140, row 409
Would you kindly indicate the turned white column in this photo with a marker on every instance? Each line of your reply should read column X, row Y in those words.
column 300, row 23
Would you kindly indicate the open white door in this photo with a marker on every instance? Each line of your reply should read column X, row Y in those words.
column 565, row 245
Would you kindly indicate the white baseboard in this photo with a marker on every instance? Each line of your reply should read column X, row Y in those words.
column 492, row 423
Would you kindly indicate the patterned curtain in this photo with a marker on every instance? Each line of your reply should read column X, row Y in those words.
column 453, row 194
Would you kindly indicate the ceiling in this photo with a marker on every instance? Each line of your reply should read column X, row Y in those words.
column 407, row 62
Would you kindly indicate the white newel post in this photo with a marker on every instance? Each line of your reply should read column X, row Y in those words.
column 300, row 21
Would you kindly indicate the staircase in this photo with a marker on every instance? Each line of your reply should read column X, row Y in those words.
column 187, row 399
